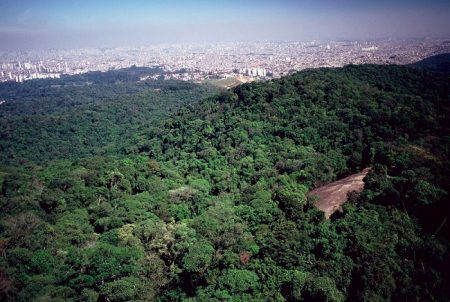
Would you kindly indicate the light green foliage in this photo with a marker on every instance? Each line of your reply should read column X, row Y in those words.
column 322, row 289
column 239, row 281
column 199, row 257
column 124, row 289
column 427, row 193
column 126, row 237
column 74, row 228
column 291, row 197
column 42, row 262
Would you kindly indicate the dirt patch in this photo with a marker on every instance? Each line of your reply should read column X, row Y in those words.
column 332, row 196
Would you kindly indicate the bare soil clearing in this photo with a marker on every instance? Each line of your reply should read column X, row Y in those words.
column 333, row 195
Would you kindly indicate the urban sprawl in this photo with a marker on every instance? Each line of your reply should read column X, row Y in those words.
column 245, row 61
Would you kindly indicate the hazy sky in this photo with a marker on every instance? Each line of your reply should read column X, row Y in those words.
column 27, row 24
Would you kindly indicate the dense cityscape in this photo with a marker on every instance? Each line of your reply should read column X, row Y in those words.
column 202, row 61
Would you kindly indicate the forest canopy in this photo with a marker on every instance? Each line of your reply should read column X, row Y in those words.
column 159, row 191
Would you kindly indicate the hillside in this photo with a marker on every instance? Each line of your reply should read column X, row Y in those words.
column 437, row 63
column 213, row 205
column 98, row 113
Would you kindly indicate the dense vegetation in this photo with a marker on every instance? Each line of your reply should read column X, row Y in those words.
column 437, row 63
column 98, row 113
column 213, row 206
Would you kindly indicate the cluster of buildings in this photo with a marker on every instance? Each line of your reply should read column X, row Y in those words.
column 204, row 61
column 253, row 72
column 18, row 72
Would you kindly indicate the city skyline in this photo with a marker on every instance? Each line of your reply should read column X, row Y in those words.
column 71, row 24
column 235, row 62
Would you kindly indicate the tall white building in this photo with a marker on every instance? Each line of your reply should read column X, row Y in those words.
column 254, row 72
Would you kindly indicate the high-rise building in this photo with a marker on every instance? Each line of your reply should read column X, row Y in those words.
column 254, row 72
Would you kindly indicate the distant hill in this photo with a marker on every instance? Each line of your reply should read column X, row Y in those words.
column 437, row 63
column 88, row 114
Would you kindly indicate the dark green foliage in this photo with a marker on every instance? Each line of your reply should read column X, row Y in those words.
column 86, row 115
column 211, row 204
column 437, row 63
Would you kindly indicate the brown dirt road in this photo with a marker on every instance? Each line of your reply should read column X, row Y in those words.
column 333, row 195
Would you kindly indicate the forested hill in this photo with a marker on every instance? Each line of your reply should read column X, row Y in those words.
column 437, row 63
column 98, row 113
column 325, row 123
column 213, row 204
